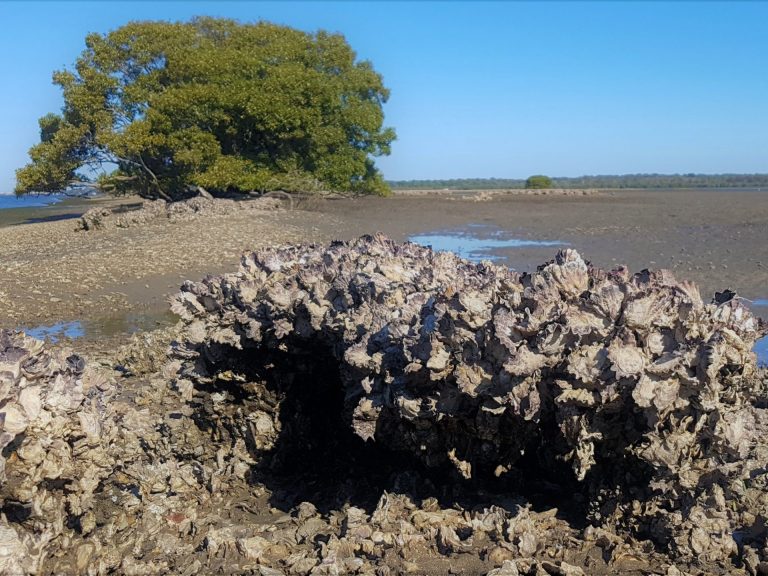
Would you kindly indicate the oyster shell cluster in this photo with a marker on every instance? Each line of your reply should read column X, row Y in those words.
column 52, row 415
column 182, row 210
column 147, row 476
column 643, row 390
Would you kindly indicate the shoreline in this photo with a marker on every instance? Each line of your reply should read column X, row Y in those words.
column 66, row 209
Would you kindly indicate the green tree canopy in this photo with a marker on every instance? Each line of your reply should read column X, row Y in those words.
column 538, row 182
column 213, row 103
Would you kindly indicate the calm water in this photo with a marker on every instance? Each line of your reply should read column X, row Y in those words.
column 102, row 327
column 761, row 349
column 760, row 308
column 55, row 332
column 11, row 201
column 476, row 242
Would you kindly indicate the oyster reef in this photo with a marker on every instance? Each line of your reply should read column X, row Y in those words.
column 450, row 393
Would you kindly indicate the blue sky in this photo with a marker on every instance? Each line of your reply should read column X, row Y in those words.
column 498, row 89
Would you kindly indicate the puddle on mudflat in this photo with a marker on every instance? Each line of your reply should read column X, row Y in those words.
column 476, row 242
column 129, row 323
column 102, row 327
column 55, row 332
column 759, row 307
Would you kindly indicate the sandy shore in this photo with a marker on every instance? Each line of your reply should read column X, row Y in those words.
column 51, row 273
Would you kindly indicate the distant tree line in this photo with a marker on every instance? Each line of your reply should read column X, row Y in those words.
column 621, row 181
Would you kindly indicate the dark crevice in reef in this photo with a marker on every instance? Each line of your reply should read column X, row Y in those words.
column 317, row 457
column 16, row 512
column 13, row 445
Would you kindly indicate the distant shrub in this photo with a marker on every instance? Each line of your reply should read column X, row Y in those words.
column 538, row 182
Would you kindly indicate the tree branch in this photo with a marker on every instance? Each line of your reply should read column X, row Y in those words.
column 157, row 182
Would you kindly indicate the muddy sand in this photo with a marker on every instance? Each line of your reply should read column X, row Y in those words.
column 119, row 280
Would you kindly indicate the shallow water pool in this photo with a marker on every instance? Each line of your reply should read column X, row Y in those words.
column 476, row 242
column 759, row 307
column 761, row 349
column 56, row 332
column 12, row 201
column 129, row 323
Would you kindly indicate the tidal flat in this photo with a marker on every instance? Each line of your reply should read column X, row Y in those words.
column 53, row 274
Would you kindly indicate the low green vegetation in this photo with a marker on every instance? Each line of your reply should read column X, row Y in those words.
column 159, row 108
column 538, row 182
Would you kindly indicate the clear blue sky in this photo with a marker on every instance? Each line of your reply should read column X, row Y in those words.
column 501, row 89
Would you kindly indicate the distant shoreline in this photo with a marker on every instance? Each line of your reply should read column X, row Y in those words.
column 688, row 181
column 564, row 191
column 63, row 208
column 485, row 194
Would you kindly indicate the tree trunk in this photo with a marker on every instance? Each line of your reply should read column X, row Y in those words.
column 204, row 193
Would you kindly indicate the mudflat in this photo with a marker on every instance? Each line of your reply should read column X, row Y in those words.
column 52, row 273
column 719, row 239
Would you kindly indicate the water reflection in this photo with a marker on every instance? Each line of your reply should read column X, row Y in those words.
column 759, row 307
column 55, row 332
column 475, row 241
column 761, row 349
column 102, row 327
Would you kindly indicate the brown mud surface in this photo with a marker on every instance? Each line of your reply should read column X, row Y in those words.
column 50, row 273
column 718, row 239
